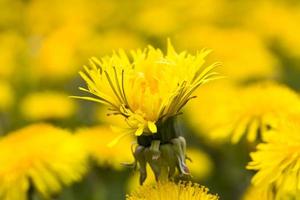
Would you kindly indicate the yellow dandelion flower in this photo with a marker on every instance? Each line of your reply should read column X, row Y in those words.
column 151, row 88
column 246, row 111
column 47, row 105
column 172, row 191
column 277, row 161
column 6, row 95
column 99, row 150
column 39, row 156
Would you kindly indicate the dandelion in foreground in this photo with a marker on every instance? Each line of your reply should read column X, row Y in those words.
column 149, row 89
column 39, row 158
column 278, row 162
column 172, row 191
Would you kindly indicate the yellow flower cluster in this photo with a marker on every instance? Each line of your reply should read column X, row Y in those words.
column 43, row 43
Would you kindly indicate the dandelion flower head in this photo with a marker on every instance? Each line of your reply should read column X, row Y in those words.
column 147, row 87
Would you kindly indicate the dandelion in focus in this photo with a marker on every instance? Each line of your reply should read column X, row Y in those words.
column 149, row 89
column 39, row 157
column 172, row 191
column 47, row 105
column 277, row 162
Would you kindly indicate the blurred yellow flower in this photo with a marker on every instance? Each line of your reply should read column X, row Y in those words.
column 6, row 95
column 109, row 40
column 56, row 56
column 8, row 18
column 156, row 18
column 133, row 180
column 277, row 22
column 244, row 111
column 61, row 13
column 262, row 105
column 149, row 89
column 244, row 55
column 218, row 106
column 47, row 105
column 278, row 161
column 172, row 191
column 96, row 140
column 200, row 164
column 253, row 192
column 42, row 157
column 195, row 12
column 12, row 47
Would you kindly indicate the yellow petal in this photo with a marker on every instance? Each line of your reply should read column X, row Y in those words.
column 139, row 131
column 152, row 127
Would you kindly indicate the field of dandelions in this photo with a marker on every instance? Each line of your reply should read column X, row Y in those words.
column 111, row 99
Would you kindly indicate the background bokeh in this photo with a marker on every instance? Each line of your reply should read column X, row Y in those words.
column 43, row 45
